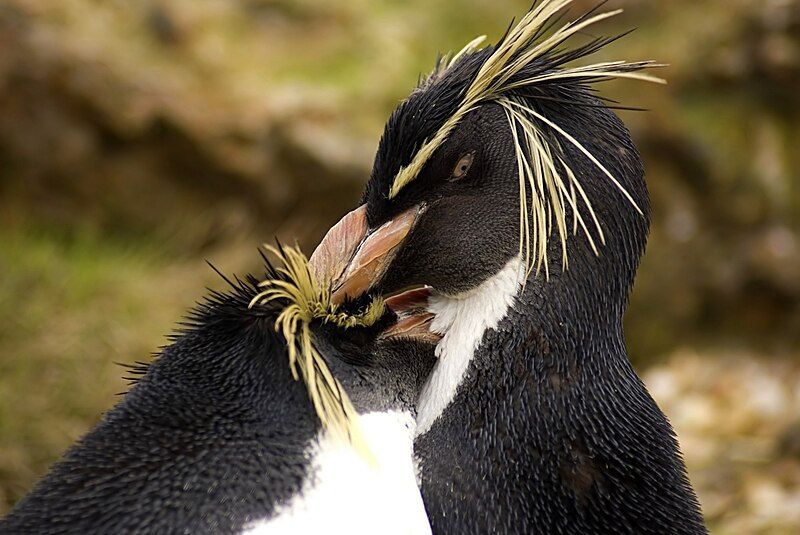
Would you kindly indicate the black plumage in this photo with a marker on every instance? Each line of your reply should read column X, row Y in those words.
column 214, row 434
column 550, row 430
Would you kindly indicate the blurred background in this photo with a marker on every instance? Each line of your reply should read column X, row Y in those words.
column 138, row 139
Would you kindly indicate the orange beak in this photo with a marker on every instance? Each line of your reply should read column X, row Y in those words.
column 413, row 319
column 351, row 258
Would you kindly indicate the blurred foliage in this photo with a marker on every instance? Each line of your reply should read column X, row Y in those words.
column 137, row 138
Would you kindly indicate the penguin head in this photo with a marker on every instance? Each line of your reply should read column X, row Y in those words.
column 353, row 355
column 506, row 151
column 382, row 366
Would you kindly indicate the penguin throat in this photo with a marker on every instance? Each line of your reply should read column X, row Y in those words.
column 462, row 321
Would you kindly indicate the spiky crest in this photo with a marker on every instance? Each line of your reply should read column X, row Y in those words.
column 304, row 300
column 542, row 167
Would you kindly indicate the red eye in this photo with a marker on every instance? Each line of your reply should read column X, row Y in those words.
column 462, row 167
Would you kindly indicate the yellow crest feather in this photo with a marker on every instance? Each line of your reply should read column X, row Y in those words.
column 307, row 300
column 551, row 191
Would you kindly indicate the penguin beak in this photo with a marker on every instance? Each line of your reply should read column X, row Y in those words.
column 352, row 258
column 413, row 319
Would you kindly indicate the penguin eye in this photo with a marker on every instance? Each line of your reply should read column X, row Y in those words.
column 462, row 167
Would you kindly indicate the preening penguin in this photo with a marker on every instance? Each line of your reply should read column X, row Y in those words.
column 506, row 212
column 536, row 215
column 217, row 436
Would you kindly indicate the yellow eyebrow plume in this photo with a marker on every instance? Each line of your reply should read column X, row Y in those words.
column 542, row 169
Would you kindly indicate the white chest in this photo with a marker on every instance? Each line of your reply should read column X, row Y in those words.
column 463, row 320
column 347, row 494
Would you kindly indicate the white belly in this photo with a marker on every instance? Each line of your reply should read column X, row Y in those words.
column 345, row 493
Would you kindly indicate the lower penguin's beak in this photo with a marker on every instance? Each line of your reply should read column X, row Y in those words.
column 413, row 319
column 351, row 258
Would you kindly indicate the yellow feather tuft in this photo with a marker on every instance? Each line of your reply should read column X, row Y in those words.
column 308, row 300
column 538, row 166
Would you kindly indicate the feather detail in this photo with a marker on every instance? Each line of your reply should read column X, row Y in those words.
column 542, row 167
column 304, row 300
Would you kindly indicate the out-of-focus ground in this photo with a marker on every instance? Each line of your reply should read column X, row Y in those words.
column 139, row 138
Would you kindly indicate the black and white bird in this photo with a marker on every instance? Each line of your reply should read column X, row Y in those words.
column 217, row 436
column 509, row 199
column 531, row 215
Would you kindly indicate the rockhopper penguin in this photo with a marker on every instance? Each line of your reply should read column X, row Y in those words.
column 536, row 214
column 216, row 436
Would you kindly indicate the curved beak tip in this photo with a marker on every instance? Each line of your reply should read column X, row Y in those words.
column 352, row 259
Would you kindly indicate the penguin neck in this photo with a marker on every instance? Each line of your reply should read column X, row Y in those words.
column 580, row 318
column 549, row 415
column 462, row 321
